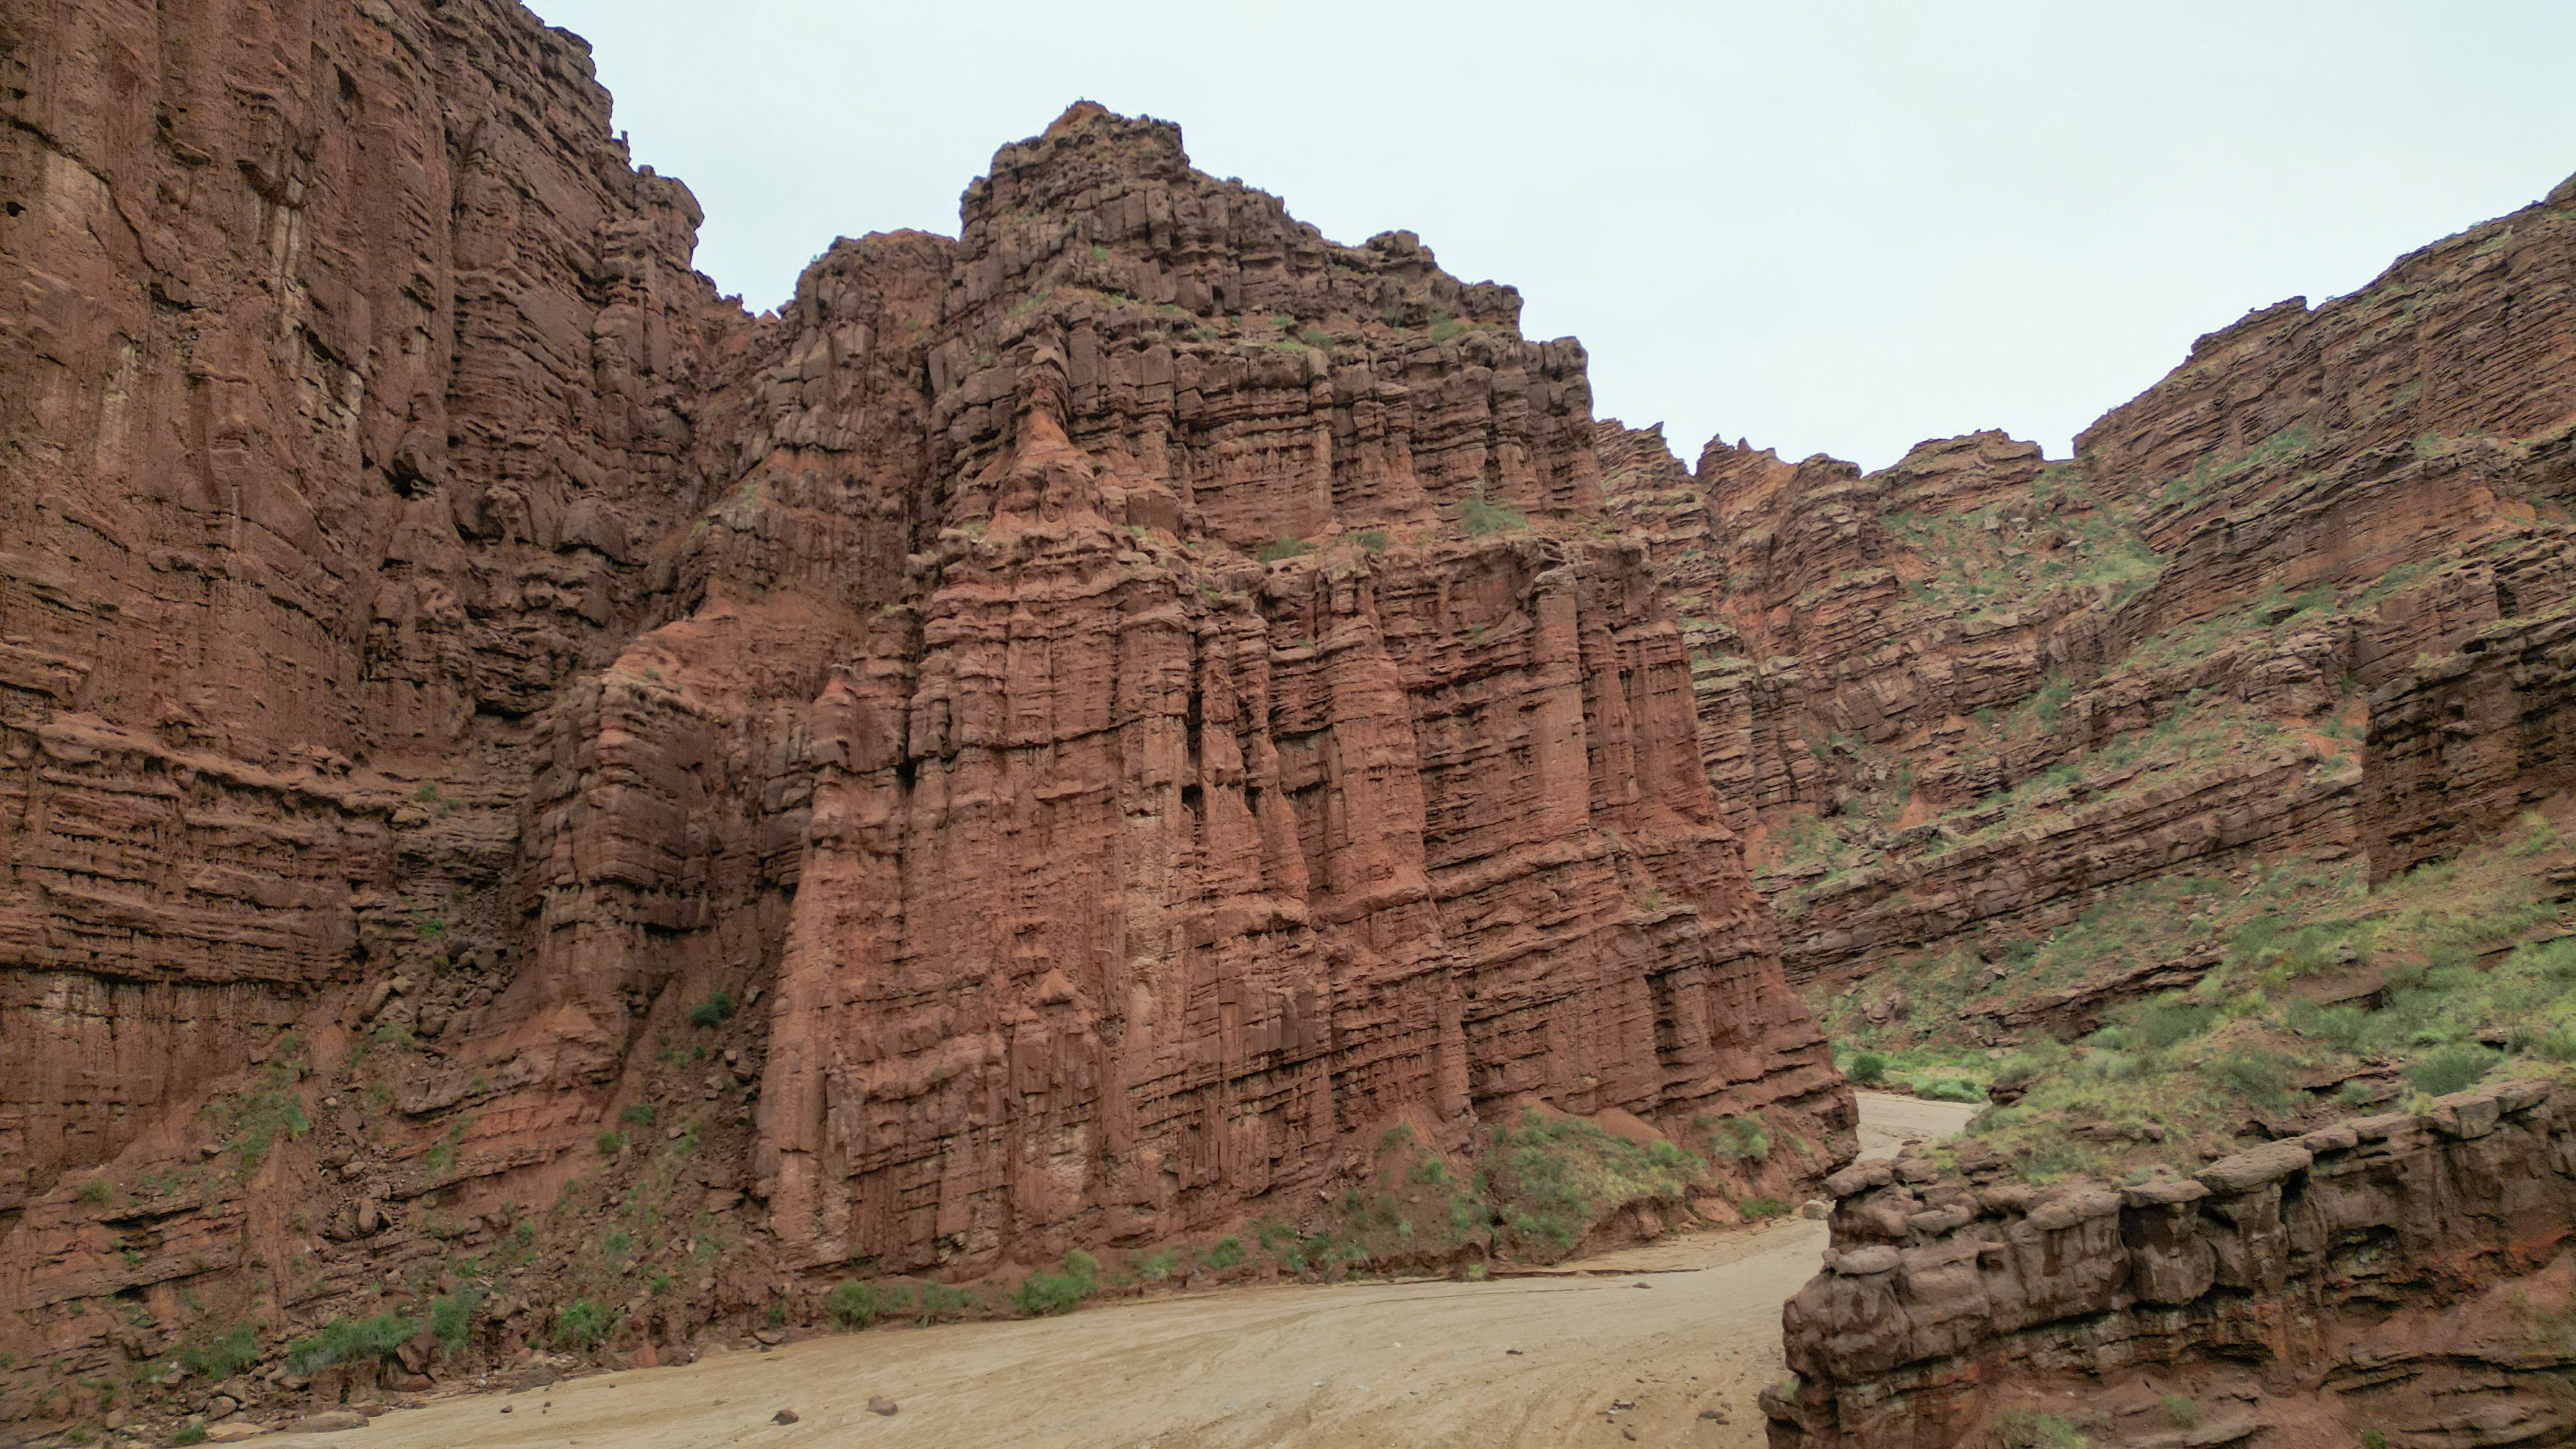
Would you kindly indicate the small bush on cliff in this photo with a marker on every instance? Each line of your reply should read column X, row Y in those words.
column 189, row 1433
column 1041, row 1294
column 218, row 1356
column 1481, row 518
column 451, row 1318
column 2452, row 1069
column 582, row 1322
column 348, row 1340
column 2180, row 1412
column 1868, row 1069
column 1279, row 548
column 1227, row 1253
column 1949, row 1089
column 716, row 1010
column 856, row 1305
column 1739, row 1139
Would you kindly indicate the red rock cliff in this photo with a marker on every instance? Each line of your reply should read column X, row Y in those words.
column 1056, row 737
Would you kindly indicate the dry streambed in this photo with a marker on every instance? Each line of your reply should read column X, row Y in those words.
column 1673, row 1330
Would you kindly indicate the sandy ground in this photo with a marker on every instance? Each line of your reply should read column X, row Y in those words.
column 1674, row 1328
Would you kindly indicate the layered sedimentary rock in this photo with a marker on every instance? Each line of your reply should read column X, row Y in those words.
column 2264, row 1284
column 1142, row 873
column 2461, row 747
column 1054, row 737
column 2315, row 502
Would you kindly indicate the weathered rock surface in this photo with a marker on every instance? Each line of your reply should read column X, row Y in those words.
column 2312, row 505
column 1056, row 737
column 1950, row 1293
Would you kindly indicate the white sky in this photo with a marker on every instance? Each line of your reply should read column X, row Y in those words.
column 1823, row 225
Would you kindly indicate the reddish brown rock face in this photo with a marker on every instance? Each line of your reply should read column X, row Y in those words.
column 1129, row 703
column 1144, row 875
column 2308, row 508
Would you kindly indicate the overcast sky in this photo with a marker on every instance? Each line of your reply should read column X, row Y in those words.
column 1825, row 227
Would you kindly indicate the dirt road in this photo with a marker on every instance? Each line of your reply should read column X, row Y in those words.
column 1672, row 1329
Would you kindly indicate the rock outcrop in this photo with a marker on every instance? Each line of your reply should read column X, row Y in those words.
column 1955, row 1300
column 1057, row 737
column 1954, row 700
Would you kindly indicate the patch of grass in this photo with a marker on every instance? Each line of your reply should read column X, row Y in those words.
column 1869, row 1069
column 1481, row 518
column 347, row 1340
column 189, row 1433
column 1739, row 1139
column 2180, row 1412
column 215, row 1357
column 715, row 1011
column 1227, row 1253
column 2452, row 1069
column 96, row 1191
column 1551, row 1177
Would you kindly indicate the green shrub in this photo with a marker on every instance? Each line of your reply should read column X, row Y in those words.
column 2165, row 1023
column 1279, row 548
column 716, row 1010
column 1050, row 1293
column 2182, row 1413
column 937, row 1301
column 1755, row 1209
column 95, row 1191
column 637, row 1114
column 856, row 1305
column 451, row 1318
column 2452, row 1069
column 1156, row 1266
column 1949, row 1089
column 1227, row 1253
column 582, row 1322
column 1868, row 1069
column 347, row 1340
column 189, row 1433
column 610, row 1144
column 1373, row 540
column 1739, row 1138
column 1481, row 517
column 2255, row 1076
column 222, row 1355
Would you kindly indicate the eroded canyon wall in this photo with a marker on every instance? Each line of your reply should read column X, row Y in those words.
column 1954, row 701
column 1054, row 737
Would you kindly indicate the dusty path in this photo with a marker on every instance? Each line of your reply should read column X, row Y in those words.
column 1376, row 1364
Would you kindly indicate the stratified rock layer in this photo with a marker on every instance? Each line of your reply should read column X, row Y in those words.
column 1059, row 736
column 1949, row 1300
column 2313, row 505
